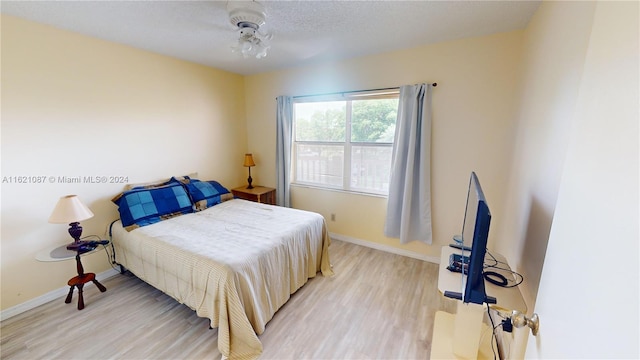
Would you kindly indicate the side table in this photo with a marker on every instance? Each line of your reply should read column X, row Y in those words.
column 61, row 253
column 261, row 194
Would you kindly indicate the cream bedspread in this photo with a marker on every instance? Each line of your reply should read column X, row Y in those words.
column 235, row 263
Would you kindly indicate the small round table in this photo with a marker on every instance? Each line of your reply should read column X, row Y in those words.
column 61, row 253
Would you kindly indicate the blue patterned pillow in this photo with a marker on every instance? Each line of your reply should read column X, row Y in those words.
column 205, row 194
column 145, row 206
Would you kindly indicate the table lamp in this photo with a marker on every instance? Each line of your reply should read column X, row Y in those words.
column 248, row 162
column 70, row 210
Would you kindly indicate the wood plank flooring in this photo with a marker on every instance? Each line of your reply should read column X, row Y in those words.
column 377, row 306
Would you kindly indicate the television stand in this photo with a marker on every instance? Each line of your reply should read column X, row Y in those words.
column 464, row 335
column 445, row 339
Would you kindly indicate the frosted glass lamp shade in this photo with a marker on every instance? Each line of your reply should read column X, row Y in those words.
column 70, row 209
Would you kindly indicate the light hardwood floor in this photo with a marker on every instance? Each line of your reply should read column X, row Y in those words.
column 377, row 306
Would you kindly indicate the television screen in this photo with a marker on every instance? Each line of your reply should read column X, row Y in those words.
column 475, row 232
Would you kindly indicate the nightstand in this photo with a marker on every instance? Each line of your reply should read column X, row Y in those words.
column 261, row 194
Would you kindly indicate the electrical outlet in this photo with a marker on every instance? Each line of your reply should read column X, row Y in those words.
column 333, row 217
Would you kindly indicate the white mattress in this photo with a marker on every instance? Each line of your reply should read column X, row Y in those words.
column 235, row 263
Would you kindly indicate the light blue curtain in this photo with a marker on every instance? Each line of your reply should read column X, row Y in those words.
column 284, row 136
column 409, row 202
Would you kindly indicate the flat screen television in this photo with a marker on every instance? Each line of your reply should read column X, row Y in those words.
column 475, row 232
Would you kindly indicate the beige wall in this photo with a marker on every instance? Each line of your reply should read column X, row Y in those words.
column 473, row 111
column 593, row 243
column 554, row 47
column 555, row 44
column 78, row 106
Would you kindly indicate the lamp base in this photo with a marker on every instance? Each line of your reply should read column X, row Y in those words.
column 249, row 180
column 75, row 230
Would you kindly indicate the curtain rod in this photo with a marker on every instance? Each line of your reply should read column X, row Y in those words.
column 352, row 91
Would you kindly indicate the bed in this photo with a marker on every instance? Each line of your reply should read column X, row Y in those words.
column 234, row 262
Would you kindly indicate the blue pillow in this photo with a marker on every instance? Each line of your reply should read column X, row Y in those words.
column 145, row 206
column 205, row 194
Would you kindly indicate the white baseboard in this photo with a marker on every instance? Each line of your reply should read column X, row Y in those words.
column 386, row 248
column 50, row 296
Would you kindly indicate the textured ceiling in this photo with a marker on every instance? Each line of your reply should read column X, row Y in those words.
column 304, row 31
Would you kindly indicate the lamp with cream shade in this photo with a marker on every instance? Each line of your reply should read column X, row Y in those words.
column 70, row 210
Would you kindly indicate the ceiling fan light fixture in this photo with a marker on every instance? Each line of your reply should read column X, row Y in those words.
column 248, row 15
column 248, row 18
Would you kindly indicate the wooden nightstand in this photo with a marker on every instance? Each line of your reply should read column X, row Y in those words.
column 261, row 194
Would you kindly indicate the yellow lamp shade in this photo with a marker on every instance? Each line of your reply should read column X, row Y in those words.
column 248, row 160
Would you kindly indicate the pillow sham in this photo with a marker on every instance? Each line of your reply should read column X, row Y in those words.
column 205, row 194
column 160, row 182
column 142, row 206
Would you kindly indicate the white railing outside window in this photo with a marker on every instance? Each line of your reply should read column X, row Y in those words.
column 345, row 143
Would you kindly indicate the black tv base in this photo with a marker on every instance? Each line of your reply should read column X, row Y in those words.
column 458, row 296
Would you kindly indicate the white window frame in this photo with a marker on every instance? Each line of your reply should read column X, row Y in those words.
column 347, row 144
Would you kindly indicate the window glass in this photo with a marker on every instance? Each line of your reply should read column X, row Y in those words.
column 320, row 121
column 370, row 168
column 374, row 120
column 345, row 144
column 321, row 164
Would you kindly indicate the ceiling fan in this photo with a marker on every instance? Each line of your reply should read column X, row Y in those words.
column 248, row 17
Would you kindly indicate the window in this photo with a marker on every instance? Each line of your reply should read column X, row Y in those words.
column 345, row 143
